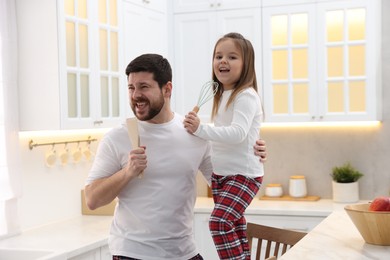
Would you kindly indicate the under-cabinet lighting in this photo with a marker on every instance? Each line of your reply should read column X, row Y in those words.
column 324, row 124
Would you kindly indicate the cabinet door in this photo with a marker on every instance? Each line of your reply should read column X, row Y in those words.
column 203, row 239
column 195, row 36
column 290, row 89
column 348, row 49
column 90, row 78
column 105, row 253
column 145, row 31
column 90, row 255
column 190, row 6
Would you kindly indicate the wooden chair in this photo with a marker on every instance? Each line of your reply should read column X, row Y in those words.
column 280, row 240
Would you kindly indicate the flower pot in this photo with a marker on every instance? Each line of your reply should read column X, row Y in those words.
column 345, row 192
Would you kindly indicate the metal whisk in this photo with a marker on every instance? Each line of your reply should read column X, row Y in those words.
column 206, row 93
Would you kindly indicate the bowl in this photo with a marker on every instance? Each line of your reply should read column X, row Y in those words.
column 374, row 226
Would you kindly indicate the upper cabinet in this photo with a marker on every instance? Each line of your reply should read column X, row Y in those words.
column 190, row 6
column 72, row 49
column 322, row 61
column 195, row 34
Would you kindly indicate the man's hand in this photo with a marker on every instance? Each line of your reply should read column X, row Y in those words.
column 260, row 150
column 137, row 162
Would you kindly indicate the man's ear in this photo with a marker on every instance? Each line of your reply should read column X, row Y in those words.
column 168, row 89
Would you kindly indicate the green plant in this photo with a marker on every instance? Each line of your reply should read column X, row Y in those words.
column 345, row 174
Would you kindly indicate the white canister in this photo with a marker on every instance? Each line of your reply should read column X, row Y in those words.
column 273, row 190
column 297, row 188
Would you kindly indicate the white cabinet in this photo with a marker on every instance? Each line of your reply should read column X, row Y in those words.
column 195, row 35
column 205, row 244
column 181, row 6
column 70, row 64
column 101, row 253
column 322, row 61
column 145, row 31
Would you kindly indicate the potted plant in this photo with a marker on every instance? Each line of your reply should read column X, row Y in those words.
column 345, row 183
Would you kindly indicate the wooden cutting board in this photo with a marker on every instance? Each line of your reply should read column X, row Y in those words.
column 287, row 197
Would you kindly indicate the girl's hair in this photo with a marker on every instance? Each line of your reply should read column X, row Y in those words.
column 248, row 74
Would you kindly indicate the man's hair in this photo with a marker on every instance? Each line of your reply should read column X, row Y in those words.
column 153, row 63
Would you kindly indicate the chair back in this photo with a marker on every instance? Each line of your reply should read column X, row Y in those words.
column 276, row 240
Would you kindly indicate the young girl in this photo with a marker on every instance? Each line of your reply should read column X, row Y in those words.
column 237, row 114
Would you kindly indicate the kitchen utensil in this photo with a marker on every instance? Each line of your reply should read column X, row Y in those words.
column 374, row 226
column 77, row 154
column 206, row 93
column 132, row 127
column 51, row 157
column 64, row 156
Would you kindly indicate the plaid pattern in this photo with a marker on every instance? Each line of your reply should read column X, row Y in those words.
column 118, row 257
column 232, row 195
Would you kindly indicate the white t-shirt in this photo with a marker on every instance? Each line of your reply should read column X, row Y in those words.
column 234, row 134
column 154, row 216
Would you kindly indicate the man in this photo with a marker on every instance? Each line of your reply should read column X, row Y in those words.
column 154, row 216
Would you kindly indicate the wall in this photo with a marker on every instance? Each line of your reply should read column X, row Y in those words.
column 51, row 193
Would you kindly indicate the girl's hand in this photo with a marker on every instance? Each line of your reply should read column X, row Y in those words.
column 191, row 122
column 260, row 150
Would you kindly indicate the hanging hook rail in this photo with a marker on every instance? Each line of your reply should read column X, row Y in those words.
column 31, row 144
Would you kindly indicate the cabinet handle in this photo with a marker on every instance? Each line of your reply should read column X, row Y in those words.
column 218, row 4
column 211, row 5
column 98, row 122
column 146, row 1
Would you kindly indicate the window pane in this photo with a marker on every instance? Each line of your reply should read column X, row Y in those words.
column 70, row 44
column 301, row 98
column 280, row 99
column 335, row 25
column 357, row 96
column 72, row 95
column 356, row 24
column 102, row 11
column 335, row 62
column 103, row 50
column 82, row 11
column 279, row 64
column 114, row 51
column 84, row 95
column 299, row 63
column 299, row 25
column 113, row 13
column 69, row 7
column 104, row 96
column 335, row 97
column 115, row 96
column 279, row 29
column 357, row 60
column 83, row 32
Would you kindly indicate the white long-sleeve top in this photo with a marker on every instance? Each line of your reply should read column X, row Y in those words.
column 234, row 133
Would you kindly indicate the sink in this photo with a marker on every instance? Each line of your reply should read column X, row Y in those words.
column 31, row 254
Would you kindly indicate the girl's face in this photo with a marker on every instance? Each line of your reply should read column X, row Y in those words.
column 228, row 63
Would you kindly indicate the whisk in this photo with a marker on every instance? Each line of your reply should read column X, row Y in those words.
column 206, row 93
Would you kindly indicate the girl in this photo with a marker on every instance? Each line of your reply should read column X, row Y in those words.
column 237, row 114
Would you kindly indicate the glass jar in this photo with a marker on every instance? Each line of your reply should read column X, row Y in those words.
column 297, row 187
column 273, row 190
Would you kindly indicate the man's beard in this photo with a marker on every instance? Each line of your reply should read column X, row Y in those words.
column 154, row 109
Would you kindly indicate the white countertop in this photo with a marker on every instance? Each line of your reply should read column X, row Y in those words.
column 336, row 238
column 70, row 237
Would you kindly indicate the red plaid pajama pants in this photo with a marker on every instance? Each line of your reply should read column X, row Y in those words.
column 232, row 195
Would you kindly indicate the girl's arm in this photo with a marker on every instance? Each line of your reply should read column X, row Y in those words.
column 246, row 107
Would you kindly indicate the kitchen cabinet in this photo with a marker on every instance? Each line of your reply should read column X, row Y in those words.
column 194, row 35
column 150, row 33
column 101, row 253
column 190, row 6
column 322, row 61
column 69, row 56
column 205, row 244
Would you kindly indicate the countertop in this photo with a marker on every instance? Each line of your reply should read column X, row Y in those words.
column 84, row 233
column 65, row 238
column 336, row 237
